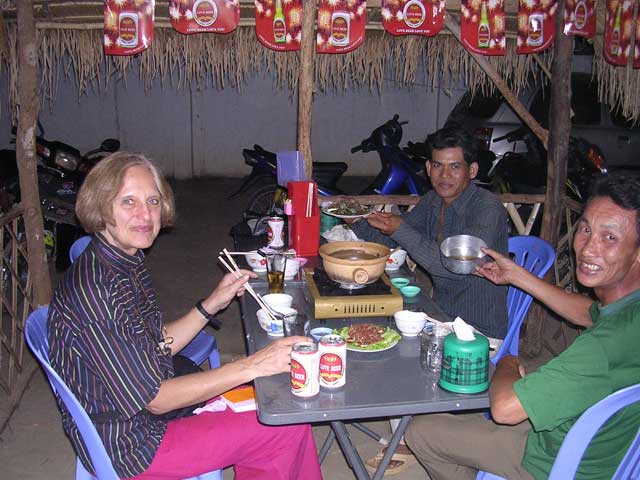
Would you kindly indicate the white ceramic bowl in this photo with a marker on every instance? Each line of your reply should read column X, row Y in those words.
column 410, row 323
column 257, row 262
column 274, row 328
column 275, row 300
column 396, row 260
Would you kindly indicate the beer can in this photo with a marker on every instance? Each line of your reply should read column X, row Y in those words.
column 275, row 232
column 333, row 361
column 304, row 369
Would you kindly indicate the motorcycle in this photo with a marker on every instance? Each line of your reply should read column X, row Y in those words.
column 517, row 172
column 399, row 173
column 61, row 171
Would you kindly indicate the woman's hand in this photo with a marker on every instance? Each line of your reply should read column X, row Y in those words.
column 228, row 288
column 502, row 271
column 274, row 358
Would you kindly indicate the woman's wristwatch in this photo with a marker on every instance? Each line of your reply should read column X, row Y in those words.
column 215, row 323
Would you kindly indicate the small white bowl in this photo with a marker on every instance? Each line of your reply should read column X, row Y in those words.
column 275, row 300
column 396, row 260
column 410, row 323
column 257, row 262
column 274, row 328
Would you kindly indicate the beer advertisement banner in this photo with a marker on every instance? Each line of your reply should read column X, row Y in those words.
column 536, row 25
column 580, row 18
column 204, row 16
column 128, row 26
column 482, row 26
column 636, row 53
column 413, row 17
column 340, row 25
column 618, row 26
column 279, row 24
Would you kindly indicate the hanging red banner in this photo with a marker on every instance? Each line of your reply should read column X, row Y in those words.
column 536, row 25
column 413, row 17
column 128, row 26
column 279, row 24
column 636, row 53
column 340, row 25
column 202, row 16
column 618, row 26
column 482, row 26
column 580, row 18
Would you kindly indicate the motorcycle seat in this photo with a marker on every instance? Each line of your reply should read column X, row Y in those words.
column 328, row 173
column 329, row 167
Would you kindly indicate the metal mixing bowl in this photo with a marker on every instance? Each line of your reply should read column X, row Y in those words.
column 461, row 253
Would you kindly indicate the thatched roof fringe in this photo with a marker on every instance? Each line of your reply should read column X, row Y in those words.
column 228, row 60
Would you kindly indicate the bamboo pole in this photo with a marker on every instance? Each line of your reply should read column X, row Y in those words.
column 306, row 83
column 454, row 27
column 558, row 151
column 29, row 103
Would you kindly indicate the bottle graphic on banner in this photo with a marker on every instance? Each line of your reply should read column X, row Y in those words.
column 128, row 29
column 615, row 33
column 279, row 26
column 580, row 15
column 484, row 32
column 340, row 28
column 535, row 36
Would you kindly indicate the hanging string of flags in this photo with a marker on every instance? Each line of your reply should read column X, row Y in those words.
column 128, row 24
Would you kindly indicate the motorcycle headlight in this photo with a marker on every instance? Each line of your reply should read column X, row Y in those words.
column 67, row 161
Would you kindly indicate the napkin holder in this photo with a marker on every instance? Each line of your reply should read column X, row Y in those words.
column 465, row 361
column 304, row 231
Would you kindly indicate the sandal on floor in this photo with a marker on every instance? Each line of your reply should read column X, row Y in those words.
column 398, row 464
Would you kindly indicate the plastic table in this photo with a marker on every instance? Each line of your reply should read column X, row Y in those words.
column 390, row 383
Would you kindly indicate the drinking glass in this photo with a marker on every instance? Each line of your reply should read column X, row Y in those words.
column 276, row 266
column 431, row 346
column 296, row 325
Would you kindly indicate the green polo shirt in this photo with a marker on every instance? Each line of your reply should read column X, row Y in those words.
column 602, row 360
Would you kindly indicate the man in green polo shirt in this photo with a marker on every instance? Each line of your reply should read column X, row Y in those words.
column 532, row 413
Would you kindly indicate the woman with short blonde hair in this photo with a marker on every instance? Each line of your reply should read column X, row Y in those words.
column 93, row 206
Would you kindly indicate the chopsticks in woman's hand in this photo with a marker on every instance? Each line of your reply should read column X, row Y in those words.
column 236, row 272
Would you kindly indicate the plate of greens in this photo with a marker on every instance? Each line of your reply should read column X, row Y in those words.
column 347, row 209
column 368, row 337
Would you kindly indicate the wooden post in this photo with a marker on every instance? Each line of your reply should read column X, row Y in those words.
column 306, row 82
column 454, row 27
column 29, row 106
column 4, row 37
column 557, row 157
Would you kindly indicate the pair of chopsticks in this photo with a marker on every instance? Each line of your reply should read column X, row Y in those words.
column 309, row 200
column 236, row 271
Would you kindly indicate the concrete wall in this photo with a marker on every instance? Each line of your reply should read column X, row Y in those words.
column 192, row 132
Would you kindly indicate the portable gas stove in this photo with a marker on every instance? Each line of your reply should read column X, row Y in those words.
column 378, row 299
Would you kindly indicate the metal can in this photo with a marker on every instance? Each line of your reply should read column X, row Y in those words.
column 304, row 369
column 275, row 232
column 333, row 361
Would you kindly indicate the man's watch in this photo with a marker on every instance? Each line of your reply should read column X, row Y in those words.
column 215, row 323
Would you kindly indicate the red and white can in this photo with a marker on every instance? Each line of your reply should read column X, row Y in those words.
column 275, row 232
column 333, row 361
column 304, row 369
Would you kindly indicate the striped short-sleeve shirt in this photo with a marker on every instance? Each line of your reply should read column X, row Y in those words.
column 104, row 329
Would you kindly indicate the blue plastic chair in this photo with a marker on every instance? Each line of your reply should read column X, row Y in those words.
column 78, row 247
column 579, row 437
column 536, row 256
column 201, row 347
column 37, row 339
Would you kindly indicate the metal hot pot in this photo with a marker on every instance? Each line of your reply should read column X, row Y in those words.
column 354, row 264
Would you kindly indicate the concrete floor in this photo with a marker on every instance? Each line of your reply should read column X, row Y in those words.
column 184, row 268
